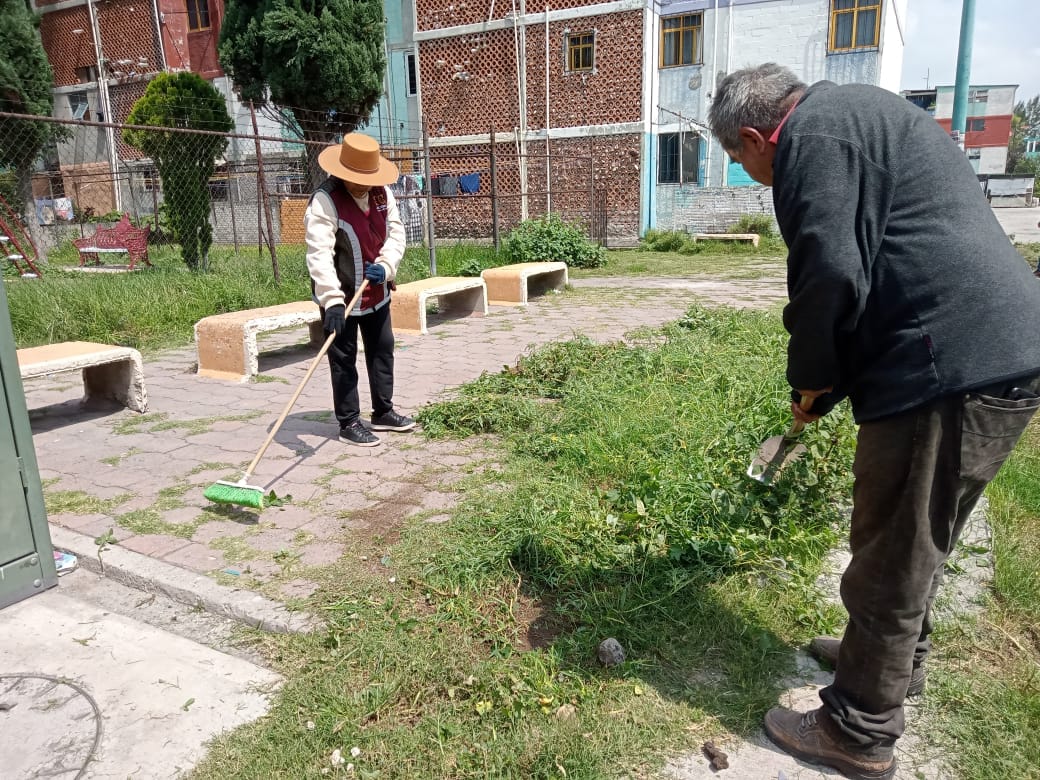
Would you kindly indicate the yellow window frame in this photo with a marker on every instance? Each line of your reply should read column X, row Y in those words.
column 694, row 28
column 202, row 9
column 578, row 44
column 859, row 7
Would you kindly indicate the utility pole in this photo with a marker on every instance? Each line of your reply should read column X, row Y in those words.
column 106, row 103
column 960, row 90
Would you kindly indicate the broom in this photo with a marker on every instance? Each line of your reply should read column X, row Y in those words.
column 242, row 493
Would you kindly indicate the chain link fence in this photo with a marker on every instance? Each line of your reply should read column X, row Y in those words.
column 253, row 193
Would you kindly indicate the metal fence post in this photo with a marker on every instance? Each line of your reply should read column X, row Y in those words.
column 263, row 196
column 231, row 208
column 494, row 193
column 429, row 199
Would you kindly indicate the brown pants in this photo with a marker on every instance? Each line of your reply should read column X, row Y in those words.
column 918, row 475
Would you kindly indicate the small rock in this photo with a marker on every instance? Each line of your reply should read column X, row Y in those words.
column 610, row 652
column 310, row 725
column 566, row 712
column 719, row 760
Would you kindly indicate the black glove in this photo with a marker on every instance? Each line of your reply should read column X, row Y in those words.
column 375, row 273
column 335, row 319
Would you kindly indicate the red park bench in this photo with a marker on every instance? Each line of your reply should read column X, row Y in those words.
column 122, row 238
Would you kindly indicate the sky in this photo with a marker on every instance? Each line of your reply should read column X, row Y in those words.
column 1006, row 47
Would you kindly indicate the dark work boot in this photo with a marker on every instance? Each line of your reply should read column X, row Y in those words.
column 826, row 648
column 813, row 737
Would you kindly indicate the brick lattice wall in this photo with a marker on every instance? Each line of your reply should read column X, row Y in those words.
column 440, row 14
column 615, row 160
column 65, row 49
column 469, row 82
column 611, row 93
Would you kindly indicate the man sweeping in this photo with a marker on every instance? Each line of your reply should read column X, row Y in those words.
column 906, row 298
column 354, row 232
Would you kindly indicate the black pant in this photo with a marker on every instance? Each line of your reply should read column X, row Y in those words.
column 378, row 338
column 918, row 475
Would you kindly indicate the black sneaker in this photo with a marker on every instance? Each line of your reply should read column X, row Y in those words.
column 392, row 421
column 356, row 433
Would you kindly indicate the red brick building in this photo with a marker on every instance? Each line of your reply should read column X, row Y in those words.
column 482, row 69
column 103, row 53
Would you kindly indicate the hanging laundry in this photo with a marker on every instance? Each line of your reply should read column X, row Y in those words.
column 469, row 183
column 449, row 185
column 408, row 191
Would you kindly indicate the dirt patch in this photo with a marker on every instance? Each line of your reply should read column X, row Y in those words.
column 537, row 622
column 383, row 521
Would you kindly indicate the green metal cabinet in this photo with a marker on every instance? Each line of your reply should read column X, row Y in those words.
column 26, row 554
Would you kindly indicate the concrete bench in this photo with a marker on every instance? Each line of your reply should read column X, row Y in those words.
column 457, row 296
column 226, row 343
column 110, row 373
column 751, row 238
column 511, row 285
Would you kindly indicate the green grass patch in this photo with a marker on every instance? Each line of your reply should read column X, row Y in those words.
column 77, row 502
column 733, row 261
column 618, row 507
column 149, row 521
column 158, row 422
column 115, row 460
column 153, row 308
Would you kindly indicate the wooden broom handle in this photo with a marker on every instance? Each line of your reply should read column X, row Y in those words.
column 307, row 377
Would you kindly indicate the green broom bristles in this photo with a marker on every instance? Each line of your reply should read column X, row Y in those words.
column 235, row 493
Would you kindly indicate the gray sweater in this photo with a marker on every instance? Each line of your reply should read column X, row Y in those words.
column 902, row 284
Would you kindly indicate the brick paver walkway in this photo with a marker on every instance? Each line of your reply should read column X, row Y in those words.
column 143, row 476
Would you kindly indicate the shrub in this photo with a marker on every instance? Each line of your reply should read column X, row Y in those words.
column 185, row 163
column 664, row 240
column 550, row 238
column 762, row 224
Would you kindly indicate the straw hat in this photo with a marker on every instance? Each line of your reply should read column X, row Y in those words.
column 358, row 161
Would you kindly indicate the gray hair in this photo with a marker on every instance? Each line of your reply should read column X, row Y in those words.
column 752, row 97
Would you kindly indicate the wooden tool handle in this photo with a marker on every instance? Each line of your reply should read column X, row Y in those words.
column 306, row 378
column 798, row 426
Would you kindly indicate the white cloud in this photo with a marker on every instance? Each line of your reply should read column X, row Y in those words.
column 1005, row 49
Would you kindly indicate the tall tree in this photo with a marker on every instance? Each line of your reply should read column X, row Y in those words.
column 185, row 161
column 323, row 59
column 1025, row 123
column 26, row 81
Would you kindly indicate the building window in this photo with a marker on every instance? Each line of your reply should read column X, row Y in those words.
column 678, row 158
column 681, row 40
column 978, row 95
column 291, row 184
column 580, row 51
column 974, row 154
column 78, row 105
column 413, row 80
column 198, row 14
column 976, row 125
column 86, row 74
column 855, row 24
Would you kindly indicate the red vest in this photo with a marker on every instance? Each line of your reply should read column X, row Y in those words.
column 359, row 240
